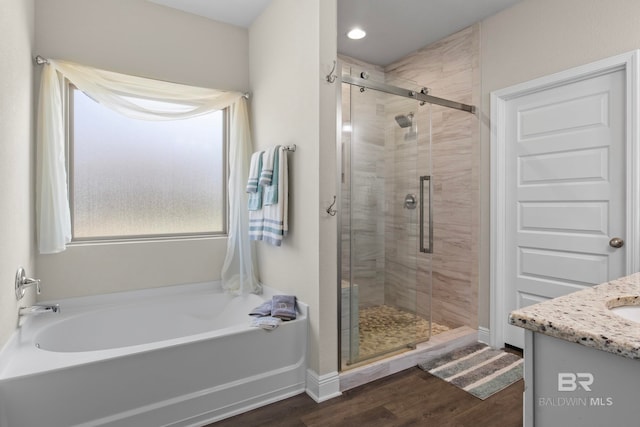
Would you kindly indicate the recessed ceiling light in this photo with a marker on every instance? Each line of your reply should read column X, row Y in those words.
column 356, row 34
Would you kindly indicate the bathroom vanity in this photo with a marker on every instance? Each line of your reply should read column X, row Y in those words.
column 582, row 357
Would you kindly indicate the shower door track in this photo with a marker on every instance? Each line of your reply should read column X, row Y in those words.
column 419, row 96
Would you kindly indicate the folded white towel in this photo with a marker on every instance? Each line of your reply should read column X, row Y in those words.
column 266, row 322
column 254, row 172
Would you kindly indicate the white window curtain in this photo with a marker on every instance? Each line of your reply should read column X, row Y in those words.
column 127, row 94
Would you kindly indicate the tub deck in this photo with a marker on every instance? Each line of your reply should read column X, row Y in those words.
column 178, row 381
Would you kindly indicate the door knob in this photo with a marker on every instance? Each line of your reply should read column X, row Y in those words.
column 616, row 242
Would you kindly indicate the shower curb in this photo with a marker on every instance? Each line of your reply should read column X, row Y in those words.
column 435, row 347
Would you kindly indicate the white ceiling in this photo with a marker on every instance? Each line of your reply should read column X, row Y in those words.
column 394, row 27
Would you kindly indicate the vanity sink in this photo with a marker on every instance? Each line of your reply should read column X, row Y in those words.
column 629, row 312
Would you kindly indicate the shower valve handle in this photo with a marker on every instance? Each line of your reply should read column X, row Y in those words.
column 410, row 201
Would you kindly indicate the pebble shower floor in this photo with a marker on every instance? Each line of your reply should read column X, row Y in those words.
column 384, row 327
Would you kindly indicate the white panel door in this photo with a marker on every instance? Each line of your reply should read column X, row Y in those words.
column 565, row 194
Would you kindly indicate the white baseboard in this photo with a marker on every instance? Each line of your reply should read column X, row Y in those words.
column 323, row 387
column 484, row 335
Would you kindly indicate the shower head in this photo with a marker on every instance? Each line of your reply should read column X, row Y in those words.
column 404, row 121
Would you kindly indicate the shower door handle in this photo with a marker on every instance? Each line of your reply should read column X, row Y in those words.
column 428, row 249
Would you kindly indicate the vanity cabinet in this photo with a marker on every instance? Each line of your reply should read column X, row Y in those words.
column 581, row 359
column 568, row 384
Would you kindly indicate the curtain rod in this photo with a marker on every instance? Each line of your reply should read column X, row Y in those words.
column 41, row 60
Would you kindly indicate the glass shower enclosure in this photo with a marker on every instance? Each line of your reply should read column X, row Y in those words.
column 385, row 217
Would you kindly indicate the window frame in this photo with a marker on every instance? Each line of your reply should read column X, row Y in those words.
column 68, row 91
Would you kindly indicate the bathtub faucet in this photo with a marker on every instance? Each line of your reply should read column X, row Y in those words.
column 37, row 309
column 23, row 282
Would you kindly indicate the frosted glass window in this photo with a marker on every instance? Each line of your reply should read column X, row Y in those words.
column 137, row 178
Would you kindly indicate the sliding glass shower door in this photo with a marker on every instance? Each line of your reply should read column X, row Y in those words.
column 385, row 286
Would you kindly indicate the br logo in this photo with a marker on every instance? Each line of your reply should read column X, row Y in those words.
column 568, row 381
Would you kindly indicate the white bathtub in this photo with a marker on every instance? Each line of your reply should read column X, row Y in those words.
column 176, row 356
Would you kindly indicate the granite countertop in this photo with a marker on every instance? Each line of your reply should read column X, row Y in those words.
column 584, row 317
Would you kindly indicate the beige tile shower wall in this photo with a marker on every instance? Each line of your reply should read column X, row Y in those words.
column 450, row 68
column 405, row 163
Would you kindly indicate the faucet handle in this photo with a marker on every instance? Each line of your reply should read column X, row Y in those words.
column 23, row 282
column 28, row 281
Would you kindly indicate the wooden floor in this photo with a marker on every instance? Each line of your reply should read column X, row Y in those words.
column 409, row 398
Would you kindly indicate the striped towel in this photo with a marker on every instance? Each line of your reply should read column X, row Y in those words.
column 271, row 191
column 266, row 174
column 254, row 172
column 271, row 223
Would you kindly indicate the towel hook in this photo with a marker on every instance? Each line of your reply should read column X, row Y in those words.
column 330, row 209
column 332, row 77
